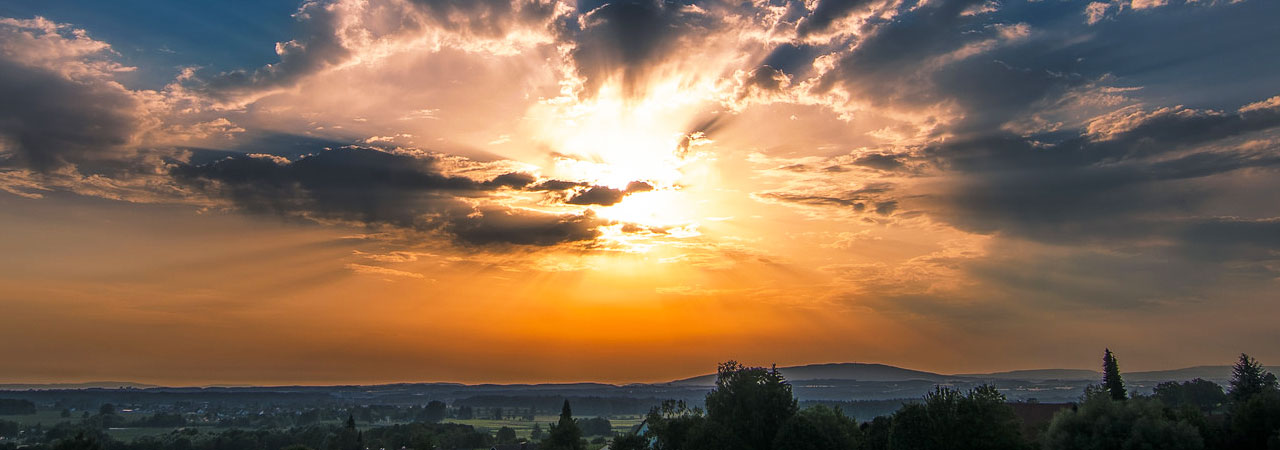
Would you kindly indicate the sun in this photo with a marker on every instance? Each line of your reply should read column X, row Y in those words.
column 612, row 139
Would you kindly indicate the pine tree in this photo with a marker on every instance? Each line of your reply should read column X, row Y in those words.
column 1248, row 378
column 1111, row 377
column 564, row 435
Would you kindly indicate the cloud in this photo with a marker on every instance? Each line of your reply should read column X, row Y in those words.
column 879, row 161
column 340, row 33
column 378, row 188
column 603, row 195
column 627, row 39
column 505, row 225
column 364, row 269
column 1157, row 178
column 62, row 103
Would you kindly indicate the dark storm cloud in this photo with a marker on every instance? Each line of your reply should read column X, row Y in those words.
column 374, row 187
column 48, row 120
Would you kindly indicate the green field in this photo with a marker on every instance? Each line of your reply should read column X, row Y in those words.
column 523, row 427
column 51, row 417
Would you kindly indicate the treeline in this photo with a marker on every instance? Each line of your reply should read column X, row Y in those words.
column 1190, row 415
column 87, row 399
column 14, row 407
column 416, row 436
column 591, row 406
column 752, row 408
column 862, row 408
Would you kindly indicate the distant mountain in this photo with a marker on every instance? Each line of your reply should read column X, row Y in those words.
column 1211, row 373
column 834, row 371
column 887, row 373
column 1037, row 375
column 85, row 385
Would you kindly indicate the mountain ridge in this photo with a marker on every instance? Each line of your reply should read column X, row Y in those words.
column 848, row 371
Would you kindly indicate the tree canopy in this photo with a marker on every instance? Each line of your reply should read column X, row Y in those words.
column 1111, row 380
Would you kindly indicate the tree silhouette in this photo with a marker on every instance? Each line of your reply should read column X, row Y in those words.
column 506, row 435
column 979, row 419
column 565, row 434
column 79, row 442
column 1199, row 393
column 1248, row 378
column 1111, row 377
column 749, row 405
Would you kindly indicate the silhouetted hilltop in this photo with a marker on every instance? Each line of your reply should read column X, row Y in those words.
column 1212, row 373
column 1038, row 374
column 85, row 385
column 835, row 371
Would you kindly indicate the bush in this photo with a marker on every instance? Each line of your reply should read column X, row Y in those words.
column 1102, row 423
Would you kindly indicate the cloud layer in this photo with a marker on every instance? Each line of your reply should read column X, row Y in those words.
column 946, row 170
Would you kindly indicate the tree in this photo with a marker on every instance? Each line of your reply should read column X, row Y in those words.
column 80, row 442
column 9, row 428
column 16, row 407
column 348, row 438
column 497, row 414
column 875, row 434
column 1198, row 393
column 818, row 428
column 1254, row 421
column 596, row 426
column 629, row 441
column 107, row 409
column 1102, row 423
column 506, row 435
column 536, row 432
column 435, row 411
column 1248, row 378
column 978, row 419
column 674, row 426
column 565, row 434
column 1111, row 377
column 748, row 406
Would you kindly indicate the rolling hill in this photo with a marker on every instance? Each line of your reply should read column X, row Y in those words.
column 834, row 371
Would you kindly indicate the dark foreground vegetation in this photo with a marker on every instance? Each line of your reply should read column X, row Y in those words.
column 750, row 408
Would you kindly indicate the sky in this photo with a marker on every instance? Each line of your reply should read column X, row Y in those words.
column 370, row 191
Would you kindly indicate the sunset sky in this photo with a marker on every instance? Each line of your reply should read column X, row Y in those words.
column 366, row 191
